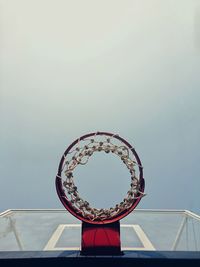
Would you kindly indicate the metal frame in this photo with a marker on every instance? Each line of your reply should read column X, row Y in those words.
column 183, row 212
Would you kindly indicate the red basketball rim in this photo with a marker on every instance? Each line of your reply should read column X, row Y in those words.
column 66, row 202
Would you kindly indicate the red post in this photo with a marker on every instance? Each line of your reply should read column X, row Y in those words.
column 101, row 239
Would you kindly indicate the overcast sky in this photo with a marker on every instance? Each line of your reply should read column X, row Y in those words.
column 130, row 67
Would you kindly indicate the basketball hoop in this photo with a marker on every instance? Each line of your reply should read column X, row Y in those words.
column 79, row 153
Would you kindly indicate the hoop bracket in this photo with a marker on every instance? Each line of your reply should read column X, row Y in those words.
column 103, row 239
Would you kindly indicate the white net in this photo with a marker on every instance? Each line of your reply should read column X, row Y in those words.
column 80, row 155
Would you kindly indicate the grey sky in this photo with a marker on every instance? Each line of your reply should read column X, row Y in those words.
column 72, row 67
